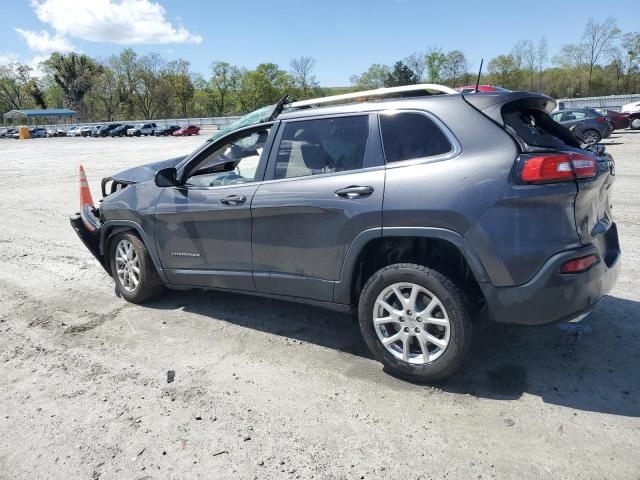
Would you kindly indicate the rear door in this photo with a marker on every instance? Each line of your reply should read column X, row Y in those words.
column 324, row 186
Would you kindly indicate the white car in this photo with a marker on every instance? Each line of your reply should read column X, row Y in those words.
column 633, row 109
column 73, row 132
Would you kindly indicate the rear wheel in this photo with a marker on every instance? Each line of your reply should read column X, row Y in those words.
column 132, row 268
column 415, row 321
column 635, row 123
column 591, row 136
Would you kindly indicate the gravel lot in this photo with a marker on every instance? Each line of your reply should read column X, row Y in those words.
column 267, row 389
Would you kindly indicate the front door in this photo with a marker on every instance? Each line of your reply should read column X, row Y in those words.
column 323, row 187
column 203, row 227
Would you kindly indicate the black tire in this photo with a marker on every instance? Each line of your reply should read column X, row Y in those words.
column 453, row 300
column 150, row 285
column 634, row 123
column 592, row 134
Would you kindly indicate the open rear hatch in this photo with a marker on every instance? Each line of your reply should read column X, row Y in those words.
column 525, row 116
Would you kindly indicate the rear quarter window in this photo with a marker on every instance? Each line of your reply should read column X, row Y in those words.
column 411, row 135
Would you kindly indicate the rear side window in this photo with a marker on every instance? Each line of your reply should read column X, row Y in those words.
column 327, row 145
column 536, row 128
column 408, row 136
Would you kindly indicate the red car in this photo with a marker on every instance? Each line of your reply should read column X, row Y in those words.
column 620, row 120
column 188, row 130
column 481, row 88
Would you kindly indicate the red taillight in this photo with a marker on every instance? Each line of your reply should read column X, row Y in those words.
column 558, row 167
column 601, row 119
column 578, row 264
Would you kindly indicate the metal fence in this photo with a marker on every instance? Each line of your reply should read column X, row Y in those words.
column 213, row 122
column 612, row 102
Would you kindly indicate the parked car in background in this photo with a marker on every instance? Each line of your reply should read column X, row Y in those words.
column 168, row 130
column 105, row 130
column 62, row 131
column 120, row 130
column 592, row 126
column 186, row 131
column 633, row 109
column 7, row 132
column 481, row 88
column 391, row 209
column 38, row 132
column 73, row 132
column 620, row 120
column 142, row 129
column 94, row 129
column 86, row 130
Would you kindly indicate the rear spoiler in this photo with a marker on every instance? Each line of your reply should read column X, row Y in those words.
column 491, row 103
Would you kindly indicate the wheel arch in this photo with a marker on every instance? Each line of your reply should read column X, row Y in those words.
column 113, row 227
column 375, row 248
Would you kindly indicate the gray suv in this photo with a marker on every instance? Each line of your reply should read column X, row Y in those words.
column 423, row 213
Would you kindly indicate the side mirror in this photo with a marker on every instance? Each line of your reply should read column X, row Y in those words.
column 167, row 177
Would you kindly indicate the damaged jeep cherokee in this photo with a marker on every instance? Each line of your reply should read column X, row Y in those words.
column 420, row 208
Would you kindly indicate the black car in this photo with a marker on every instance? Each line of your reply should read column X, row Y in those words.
column 165, row 131
column 425, row 215
column 120, row 130
column 105, row 130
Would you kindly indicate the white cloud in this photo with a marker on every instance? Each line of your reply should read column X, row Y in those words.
column 44, row 42
column 123, row 21
column 8, row 57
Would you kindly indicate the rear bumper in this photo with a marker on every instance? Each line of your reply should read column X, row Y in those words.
column 551, row 296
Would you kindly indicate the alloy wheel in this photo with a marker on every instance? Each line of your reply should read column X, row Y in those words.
column 412, row 323
column 591, row 137
column 127, row 265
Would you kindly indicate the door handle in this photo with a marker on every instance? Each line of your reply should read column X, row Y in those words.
column 234, row 200
column 355, row 191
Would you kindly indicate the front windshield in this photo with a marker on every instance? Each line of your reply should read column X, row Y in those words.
column 258, row 116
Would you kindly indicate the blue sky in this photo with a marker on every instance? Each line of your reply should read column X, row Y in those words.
column 344, row 37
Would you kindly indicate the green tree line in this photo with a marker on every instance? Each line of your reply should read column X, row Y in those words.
column 605, row 61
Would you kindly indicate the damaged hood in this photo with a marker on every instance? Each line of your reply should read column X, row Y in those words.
column 145, row 172
column 139, row 174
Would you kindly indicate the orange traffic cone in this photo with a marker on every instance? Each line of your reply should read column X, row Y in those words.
column 85, row 193
column 90, row 221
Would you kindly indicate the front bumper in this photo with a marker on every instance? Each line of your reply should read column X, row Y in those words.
column 91, row 240
column 551, row 296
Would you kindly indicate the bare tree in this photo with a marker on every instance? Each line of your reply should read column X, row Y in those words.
column 416, row 62
column 573, row 59
column 151, row 92
column 598, row 39
column 455, row 67
column 530, row 57
column 541, row 59
column 301, row 70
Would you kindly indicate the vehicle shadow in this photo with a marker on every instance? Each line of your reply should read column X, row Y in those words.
column 590, row 366
column 593, row 366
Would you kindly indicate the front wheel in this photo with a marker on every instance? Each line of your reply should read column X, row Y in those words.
column 635, row 124
column 132, row 269
column 415, row 321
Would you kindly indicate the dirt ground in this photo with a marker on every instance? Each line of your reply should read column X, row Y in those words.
column 268, row 389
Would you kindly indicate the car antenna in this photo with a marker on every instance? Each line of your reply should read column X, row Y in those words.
column 479, row 73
